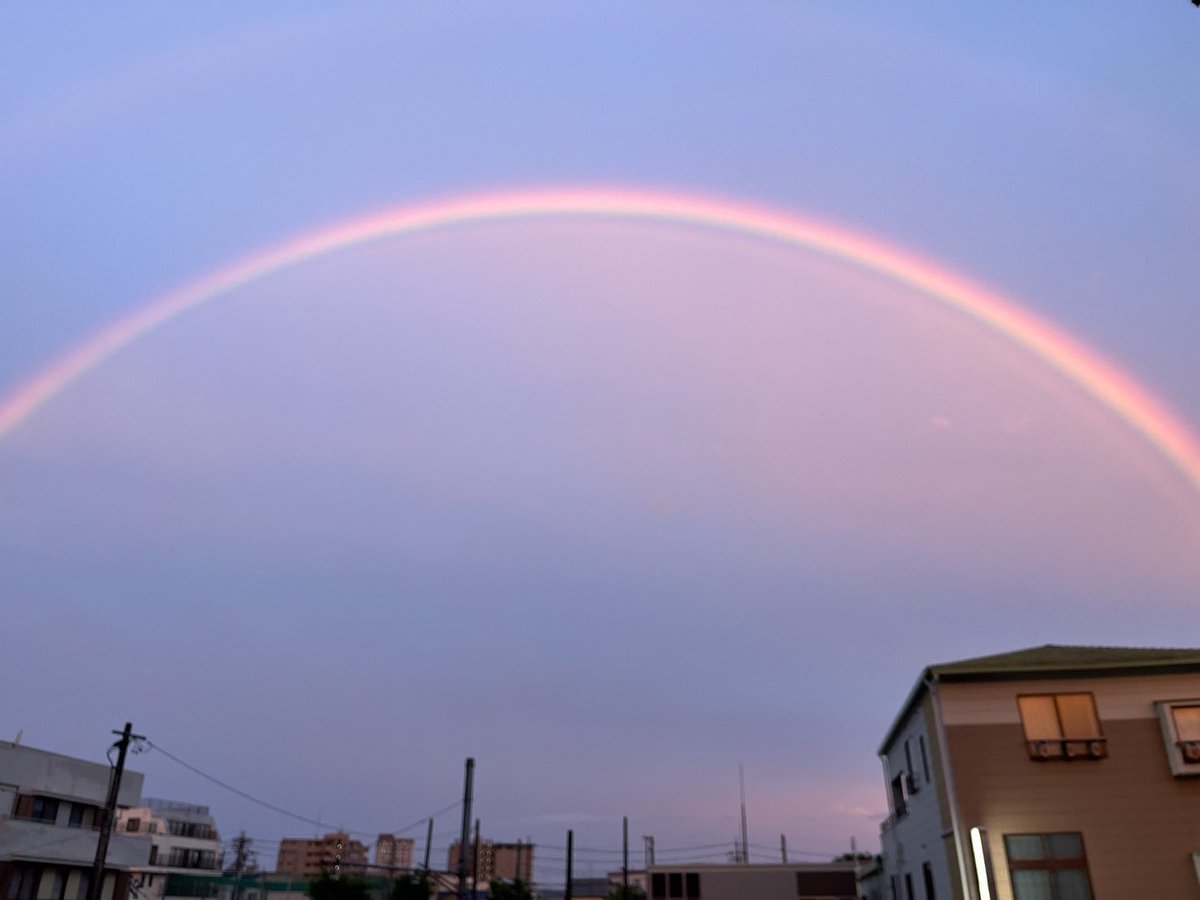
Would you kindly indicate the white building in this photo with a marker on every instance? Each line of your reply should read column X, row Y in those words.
column 50, row 813
column 184, row 842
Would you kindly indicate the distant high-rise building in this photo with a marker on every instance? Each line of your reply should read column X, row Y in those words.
column 312, row 856
column 503, row 861
column 393, row 852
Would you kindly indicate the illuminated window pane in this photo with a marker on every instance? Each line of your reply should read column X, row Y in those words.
column 1078, row 714
column 1040, row 718
column 1187, row 722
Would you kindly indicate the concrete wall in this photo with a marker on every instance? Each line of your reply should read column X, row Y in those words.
column 30, row 770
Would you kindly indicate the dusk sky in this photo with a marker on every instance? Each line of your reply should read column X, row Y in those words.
column 611, row 503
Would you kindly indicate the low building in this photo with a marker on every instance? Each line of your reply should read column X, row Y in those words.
column 1053, row 772
column 312, row 856
column 735, row 881
column 51, row 809
column 183, row 842
column 505, row 862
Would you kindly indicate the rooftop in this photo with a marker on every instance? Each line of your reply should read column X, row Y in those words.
column 1050, row 660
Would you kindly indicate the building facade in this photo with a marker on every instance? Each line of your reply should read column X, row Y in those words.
column 496, row 860
column 393, row 852
column 312, row 856
column 1055, row 773
column 51, row 809
column 735, row 881
column 183, row 842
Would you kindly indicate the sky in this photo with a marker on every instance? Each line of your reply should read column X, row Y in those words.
column 611, row 505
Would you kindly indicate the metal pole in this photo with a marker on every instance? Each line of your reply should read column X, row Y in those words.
column 783, row 847
column 428, row 843
column 96, row 885
column 569, row 893
column 745, row 838
column 649, row 851
column 465, row 837
column 625, row 856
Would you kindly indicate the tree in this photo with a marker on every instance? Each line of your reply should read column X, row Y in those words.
column 345, row 888
column 620, row 892
column 413, row 886
column 509, row 890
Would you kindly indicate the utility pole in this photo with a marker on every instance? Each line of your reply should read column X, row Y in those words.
column 745, row 838
column 240, row 845
column 648, row 840
column 96, row 885
column 569, row 893
column 517, row 875
column 625, row 855
column 428, row 843
column 783, row 847
column 465, row 837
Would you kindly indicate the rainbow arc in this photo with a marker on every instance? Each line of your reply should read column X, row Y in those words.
column 1070, row 358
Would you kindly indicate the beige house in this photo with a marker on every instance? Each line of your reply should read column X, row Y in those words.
column 1054, row 773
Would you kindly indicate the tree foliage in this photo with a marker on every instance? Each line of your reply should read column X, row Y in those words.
column 620, row 892
column 414, row 886
column 345, row 888
column 510, row 890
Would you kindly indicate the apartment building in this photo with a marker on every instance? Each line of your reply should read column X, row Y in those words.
column 51, row 809
column 312, row 856
column 184, row 841
column 496, row 860
column 1052, row 773
column 393, row 852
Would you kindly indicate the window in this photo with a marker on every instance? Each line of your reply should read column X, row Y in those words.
column 1048, row 867
column 684, row 885
column 899, row 796
column 22, row 884
column 1061, row 726
column 1180, row 720
column 925, row 760
column 76, row 819
column 927, row 871
column 85, row 880
column 133, row 825
column 908, row 887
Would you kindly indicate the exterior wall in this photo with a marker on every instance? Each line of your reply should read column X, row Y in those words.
column 394, row 852
column 503, row 861
column 915, row 833
column 1140, row 824
column 166, row 824
column 799, row 881
column 305, row 856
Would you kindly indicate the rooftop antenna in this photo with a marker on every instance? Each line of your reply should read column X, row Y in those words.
column 745, row 839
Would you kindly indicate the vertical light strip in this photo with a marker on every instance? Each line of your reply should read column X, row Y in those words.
column 982, row 874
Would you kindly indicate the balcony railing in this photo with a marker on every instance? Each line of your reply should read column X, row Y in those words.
column 1068, row 748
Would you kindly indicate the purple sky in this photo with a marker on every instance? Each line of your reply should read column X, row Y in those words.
column 610, row 506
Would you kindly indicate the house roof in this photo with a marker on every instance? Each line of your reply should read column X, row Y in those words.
column 1049, row 661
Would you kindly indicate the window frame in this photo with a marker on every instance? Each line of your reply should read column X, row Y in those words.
column 1046, row 863
column 1066, row 747
column 1181, row 767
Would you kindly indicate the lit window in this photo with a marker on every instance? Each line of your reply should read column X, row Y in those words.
column 1180, row 721
column 1061, row 726
column 1048, row 867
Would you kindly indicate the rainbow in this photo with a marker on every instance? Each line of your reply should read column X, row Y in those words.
column 1126, row 399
